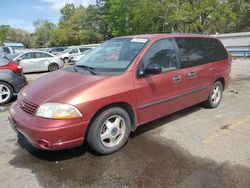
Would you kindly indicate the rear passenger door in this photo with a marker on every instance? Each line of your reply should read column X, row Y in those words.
column 195, row 75
column 42, row 61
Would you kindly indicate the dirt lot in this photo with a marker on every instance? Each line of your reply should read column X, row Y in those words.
column 196, row 147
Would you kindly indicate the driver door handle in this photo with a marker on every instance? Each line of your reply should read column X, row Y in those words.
column 191, row 74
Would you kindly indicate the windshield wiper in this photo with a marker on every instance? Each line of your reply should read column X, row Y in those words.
column 88, row 68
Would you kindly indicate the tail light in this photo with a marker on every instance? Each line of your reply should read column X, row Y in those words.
column 15, row 67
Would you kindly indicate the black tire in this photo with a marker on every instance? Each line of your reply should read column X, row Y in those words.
column 66, row 60
column 213, row 102
column 100, row 145
column 6, row 98
column 53, row 67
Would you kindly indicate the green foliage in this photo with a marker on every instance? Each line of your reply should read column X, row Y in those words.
column 110, row 18
column 43, row 35
column 3, row 33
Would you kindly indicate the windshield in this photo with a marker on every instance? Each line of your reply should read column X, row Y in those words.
column 113, row 56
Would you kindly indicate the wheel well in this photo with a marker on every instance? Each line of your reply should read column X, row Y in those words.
column 222, row 80
column 9, row 85
column 124, row 106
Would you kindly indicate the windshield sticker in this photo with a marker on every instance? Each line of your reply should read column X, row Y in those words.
column 139, row 40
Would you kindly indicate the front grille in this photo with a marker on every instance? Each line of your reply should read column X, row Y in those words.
column 28, row 107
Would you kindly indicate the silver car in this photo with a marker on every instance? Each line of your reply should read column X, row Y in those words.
column 37, row 61
column 70, row 53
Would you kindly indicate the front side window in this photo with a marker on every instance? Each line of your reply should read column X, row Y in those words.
column 113, row 56
column 163, row 54
column 73, row 51
column 83, row 49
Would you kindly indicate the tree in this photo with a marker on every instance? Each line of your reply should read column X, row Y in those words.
column 4, row 29
column 42, row 36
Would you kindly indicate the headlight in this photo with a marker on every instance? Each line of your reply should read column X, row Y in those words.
column 58, row 111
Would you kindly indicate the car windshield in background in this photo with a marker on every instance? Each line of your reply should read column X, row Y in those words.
column 113, row 56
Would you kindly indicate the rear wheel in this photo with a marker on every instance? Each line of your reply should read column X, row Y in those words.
column 215, row 95
column 66, row 60
column 6, row 93
column 109, row 131
column 53, row 67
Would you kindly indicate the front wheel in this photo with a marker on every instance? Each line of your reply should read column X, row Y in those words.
column 109, row 131
column 215, row 95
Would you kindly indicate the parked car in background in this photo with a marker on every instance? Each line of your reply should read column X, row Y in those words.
column 7, row 50
column 37, row 61
column 70, row 53
column 11, row 79
column 56, row 50
column 118, row 86
column 79, row 56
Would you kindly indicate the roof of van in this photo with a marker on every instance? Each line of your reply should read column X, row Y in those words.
column 163, row 35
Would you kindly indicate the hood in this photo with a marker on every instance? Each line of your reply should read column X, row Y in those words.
column 60, row 86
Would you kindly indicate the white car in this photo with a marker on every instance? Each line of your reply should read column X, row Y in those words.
column 78, row 57
column 37, row 61
column 70, row 53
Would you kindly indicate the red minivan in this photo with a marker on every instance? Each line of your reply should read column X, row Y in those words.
column 120, row 85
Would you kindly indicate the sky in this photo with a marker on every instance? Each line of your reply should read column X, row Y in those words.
column 22, row 13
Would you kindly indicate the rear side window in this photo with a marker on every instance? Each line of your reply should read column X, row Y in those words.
column 198, row 51
column 60, row 49
column 42, row 55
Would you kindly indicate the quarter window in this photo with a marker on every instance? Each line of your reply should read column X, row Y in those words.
column 163, row 54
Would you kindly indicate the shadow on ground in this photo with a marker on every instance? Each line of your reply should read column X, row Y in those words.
column 143, row 162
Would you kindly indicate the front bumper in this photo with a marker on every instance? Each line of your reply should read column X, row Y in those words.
column 45, row 133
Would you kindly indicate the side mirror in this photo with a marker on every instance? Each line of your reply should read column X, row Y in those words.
column 150, row 69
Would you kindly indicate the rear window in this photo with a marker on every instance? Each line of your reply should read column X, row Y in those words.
column 198, row 51
column 3, row 61
column 6, row 50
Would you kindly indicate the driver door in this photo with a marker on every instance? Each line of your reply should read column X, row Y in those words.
column 157, row 94
column 27, row 62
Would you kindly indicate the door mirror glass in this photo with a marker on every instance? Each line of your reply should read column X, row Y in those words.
column 149, row 70
column 153, row 69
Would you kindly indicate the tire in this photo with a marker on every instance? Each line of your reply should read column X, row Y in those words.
column 66, row 60
column 53, row 67
column 109, row 131
column 6, row 93
column 215, row 95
